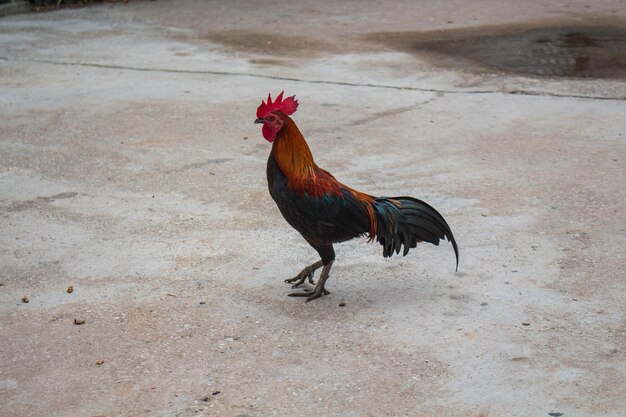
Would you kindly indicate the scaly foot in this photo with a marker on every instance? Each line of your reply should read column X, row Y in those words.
column 300, row 278
column 319, row 288
column 310, row 294
column 306, row 273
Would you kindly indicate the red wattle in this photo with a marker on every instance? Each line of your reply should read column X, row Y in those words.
column 268, row 134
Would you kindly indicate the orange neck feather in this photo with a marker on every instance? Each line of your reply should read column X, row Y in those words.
column 292, row 154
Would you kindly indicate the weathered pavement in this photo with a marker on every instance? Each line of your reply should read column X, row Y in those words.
column 130, row 169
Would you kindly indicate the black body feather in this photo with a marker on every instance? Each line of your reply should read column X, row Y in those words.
column 401, row 222
column 405, row 221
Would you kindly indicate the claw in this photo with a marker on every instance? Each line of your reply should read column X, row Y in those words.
column 310, row 294
column 300, row 278
column 317, row 294
column 304, row 293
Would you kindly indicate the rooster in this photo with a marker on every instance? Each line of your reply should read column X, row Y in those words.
column 326, row 211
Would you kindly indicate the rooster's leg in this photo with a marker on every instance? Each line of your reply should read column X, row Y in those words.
column 327, row 253
column 306, row 273
column 319, row 288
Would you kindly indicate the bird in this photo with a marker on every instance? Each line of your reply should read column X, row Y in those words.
column 326, row 212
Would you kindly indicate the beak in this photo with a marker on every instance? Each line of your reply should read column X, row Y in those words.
column 258, row 121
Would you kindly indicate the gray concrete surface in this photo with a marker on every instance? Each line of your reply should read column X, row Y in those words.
column 9, row 7
column 130, row 169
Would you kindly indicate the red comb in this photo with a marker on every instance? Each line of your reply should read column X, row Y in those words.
column 287, row 106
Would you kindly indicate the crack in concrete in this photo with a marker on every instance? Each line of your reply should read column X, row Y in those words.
column 390, row 112
column 302, row 80
column 27, row 204
column 200, row 164
column 374, row 117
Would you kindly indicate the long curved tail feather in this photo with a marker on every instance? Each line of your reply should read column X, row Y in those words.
column 405, row 221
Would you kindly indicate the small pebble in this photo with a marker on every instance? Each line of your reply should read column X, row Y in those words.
column 78, row 322
column 342, row 304
column 25, row 299
column 525, row 323
column 70, row 289
column 99, row 362
column 216, row 392
column 202, row 302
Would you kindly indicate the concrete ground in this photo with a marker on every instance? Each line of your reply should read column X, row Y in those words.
column 130, row 170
